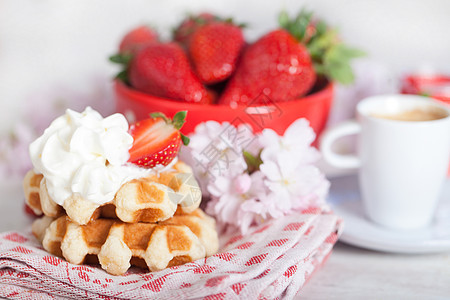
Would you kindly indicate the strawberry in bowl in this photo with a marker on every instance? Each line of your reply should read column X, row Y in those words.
column 137, row 38
column 214, row 50
column 163, row 70
column 276, row 65
column 210, row 70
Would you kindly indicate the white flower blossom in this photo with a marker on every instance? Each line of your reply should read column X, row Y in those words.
column 283, row 180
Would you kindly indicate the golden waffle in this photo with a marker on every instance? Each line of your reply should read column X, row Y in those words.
column 32, row 189
column 150, row 199
column 118, row 245
column 40, row 225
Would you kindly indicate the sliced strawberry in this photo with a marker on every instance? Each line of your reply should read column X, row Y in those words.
column 137, row 38
column 157, row 140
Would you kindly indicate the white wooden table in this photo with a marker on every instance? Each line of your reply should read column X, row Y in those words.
column 354, row 273
column 349, row 273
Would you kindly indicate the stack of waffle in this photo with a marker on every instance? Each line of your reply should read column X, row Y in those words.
column 152, row 222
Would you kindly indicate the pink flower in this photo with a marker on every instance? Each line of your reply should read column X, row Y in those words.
column 283, row 176
column 295, row 143
column 288, row 166
column 235, row 201
column 216, row 150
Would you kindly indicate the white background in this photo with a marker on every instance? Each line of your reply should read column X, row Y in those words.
column 47, row 43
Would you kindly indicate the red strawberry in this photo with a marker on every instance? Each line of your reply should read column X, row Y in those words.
column 157, row 140
column 214, row 50
column 276, row 65
column 164, row 70
column 137, row 38
column 188, row 26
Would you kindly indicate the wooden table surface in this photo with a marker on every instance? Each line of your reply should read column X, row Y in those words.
column 355, row 273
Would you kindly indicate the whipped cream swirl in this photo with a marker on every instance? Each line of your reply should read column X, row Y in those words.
column 86, row 154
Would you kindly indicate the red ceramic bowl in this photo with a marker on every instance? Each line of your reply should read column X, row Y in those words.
column 278, row 116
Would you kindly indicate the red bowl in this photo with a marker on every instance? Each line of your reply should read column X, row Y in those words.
column 315, row 107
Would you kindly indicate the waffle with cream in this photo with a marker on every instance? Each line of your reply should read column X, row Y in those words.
column 148, row 199
column 116, row 194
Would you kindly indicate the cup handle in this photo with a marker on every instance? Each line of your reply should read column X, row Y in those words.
column 330, row 136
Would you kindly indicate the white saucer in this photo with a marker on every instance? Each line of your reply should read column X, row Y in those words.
column 359, row 231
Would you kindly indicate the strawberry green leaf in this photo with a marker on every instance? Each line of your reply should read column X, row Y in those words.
column 179, row 119
column 253, row 162
column 349, row 53
column 321, row 28
column 121, row 58
column 331, row 58
column 160, row 115
column 184, row 139
column 230, row 20
column 283, row 19
column 342, row 73
column 123, row 75
column 124, row 60
column 425, row 94
column 320, row 69
column 298, row 26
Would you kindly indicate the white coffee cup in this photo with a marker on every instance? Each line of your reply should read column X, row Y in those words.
column 402, row 164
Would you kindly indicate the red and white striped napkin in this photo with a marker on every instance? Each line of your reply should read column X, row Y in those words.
column 273, row 261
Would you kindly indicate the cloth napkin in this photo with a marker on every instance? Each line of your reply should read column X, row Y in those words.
column 272, row 261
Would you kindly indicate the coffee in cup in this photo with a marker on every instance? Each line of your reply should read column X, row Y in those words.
column 415, row 115
column 403, row 151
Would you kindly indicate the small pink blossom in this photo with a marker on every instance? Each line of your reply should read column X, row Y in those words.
column 242, row 183
column 284, row 181
column 215, row 150
column 236, row 200
column 295, row 143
